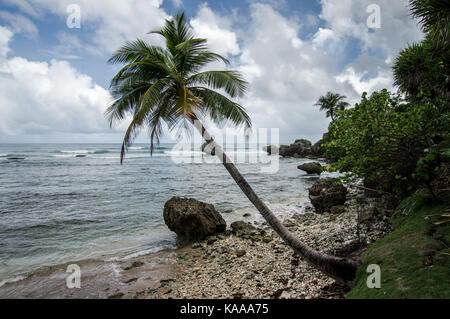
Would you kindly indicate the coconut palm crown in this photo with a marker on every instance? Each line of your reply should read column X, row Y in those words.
column 168, row 85
column 332, row 102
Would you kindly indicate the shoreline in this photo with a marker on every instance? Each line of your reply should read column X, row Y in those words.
column 221, row 266
column 227, row 266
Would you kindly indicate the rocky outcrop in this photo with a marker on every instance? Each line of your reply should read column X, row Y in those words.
column 191, row 219
column 208, row 149
column 300, row 149
column 271, row 150
column 326, row 193
column 311, row 168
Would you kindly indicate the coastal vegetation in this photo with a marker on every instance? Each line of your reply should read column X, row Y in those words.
column 398, row 144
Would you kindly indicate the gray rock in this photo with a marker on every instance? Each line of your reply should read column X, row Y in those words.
column 301, row 148
column 271, row 150
column 311, row 168
column 240, row 252
column 325, row 193
column 191, row 219
column 243, row 229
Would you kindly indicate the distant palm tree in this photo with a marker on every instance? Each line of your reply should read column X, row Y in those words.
column 332, row 102
column 167, row 85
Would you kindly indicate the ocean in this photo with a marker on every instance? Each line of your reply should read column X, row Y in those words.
column 57, row 207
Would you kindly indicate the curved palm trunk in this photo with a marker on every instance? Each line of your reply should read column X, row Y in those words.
column 341, row 269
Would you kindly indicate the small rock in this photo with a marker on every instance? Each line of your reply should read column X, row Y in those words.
column 240, row 252
column 285, row 295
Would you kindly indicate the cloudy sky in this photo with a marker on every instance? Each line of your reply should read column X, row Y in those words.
column 54, row 79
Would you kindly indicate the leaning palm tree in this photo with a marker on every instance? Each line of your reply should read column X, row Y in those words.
column 332, row 102
column 168, row 85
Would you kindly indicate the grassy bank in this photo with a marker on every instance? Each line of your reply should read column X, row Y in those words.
column 414, row 258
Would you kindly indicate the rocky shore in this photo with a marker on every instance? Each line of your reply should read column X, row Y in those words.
column 255, row 263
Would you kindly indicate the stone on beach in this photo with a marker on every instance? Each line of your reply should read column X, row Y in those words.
column 311, row 168
column 325, row 193
column 191, row 219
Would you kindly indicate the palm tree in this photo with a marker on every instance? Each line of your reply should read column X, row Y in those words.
column 166, row 85
column 332, row 102
column 416, row 68
column 434, row 16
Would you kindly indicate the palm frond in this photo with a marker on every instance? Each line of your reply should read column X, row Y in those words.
column 220, row 108
column 231, row 81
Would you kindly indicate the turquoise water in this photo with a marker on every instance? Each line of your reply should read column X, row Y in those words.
column 56, row 207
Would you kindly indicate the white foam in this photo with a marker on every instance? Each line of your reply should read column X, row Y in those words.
column 11, row 280
column 76, row 152
column 136, row 148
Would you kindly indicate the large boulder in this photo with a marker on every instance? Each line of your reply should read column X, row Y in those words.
column 208, row 149
column 191, row 219
column 271, row 150
column 303, row 142
column 311, row 168
column 326, row 193
column 300, row 148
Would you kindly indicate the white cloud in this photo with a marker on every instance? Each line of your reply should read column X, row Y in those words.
column 19, row 23
column 46, row 98
column 216, row 30
column 287, row 74
column 5, row 37
column 113, row 22
column 348, row 18
column 355, row 79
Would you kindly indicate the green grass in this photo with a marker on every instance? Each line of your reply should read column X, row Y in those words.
column 414, row 258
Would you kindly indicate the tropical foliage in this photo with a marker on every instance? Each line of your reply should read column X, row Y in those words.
column 382, row 138
column 391, row 142
column 417, row 70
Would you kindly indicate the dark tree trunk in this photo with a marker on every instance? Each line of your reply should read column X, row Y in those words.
column 341, row 269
